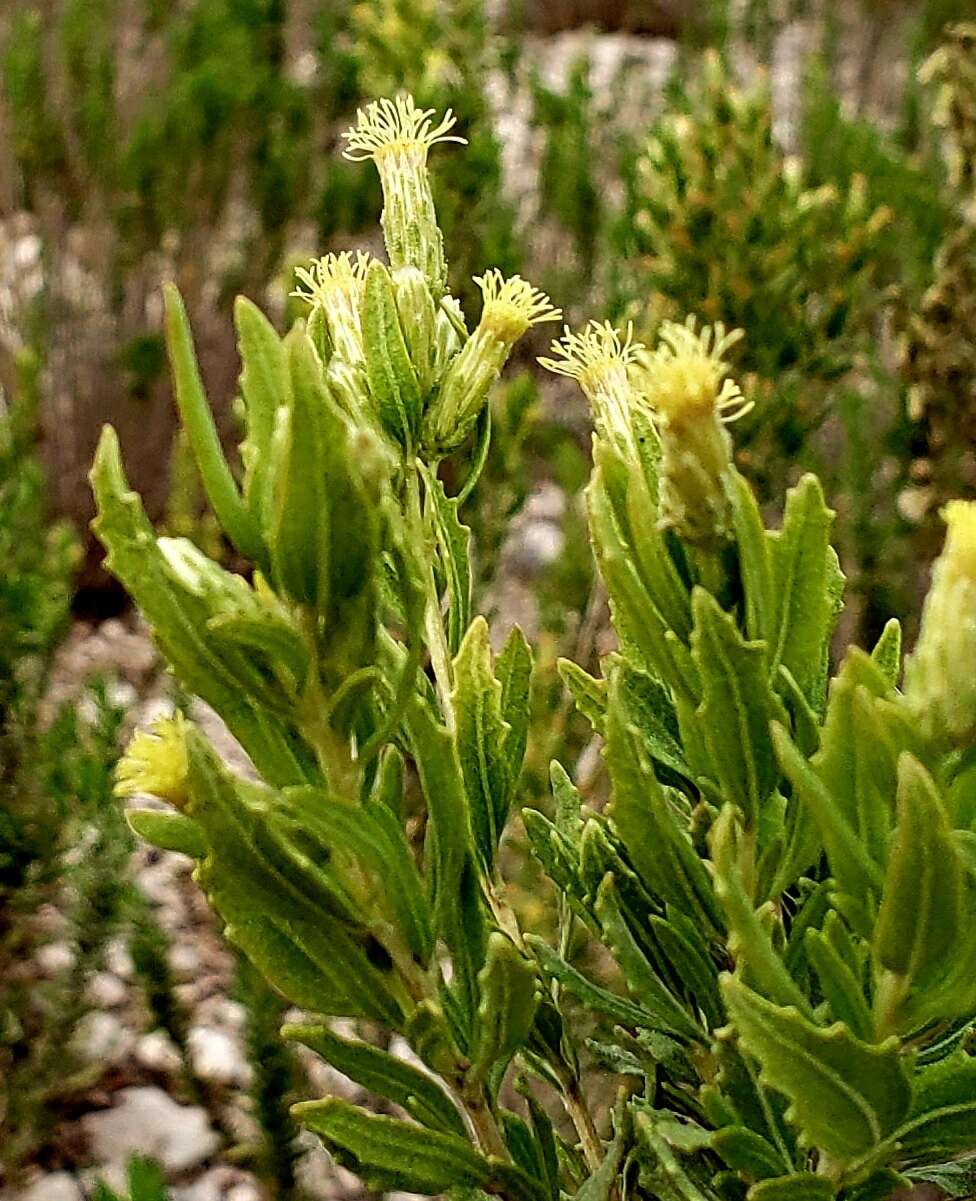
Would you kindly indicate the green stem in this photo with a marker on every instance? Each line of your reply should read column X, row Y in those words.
column 440, row 654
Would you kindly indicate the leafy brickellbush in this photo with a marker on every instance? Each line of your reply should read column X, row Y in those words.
column 723, row 223
column 761, row 983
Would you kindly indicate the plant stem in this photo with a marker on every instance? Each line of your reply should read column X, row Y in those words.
column 440, row 655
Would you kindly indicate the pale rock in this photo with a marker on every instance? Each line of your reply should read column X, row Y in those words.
column 157, row 1052
column 55, row 957
column 146, row 1121
column 101, row 1038
column 56, row 1186
column 106, row 990
column 218, row 1056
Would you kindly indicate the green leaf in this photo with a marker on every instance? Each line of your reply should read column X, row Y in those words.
column 449, row 839
column 649, row 827
column 921, row 906
column 168, row 831
column 841, row 988
column 568, row 802
column 509, row 995
column 371, row 840
column 642, row 630
column 666, row 1011
column 736, row 708
column 556, row 854
column 298, row 530
column 942, row 1119
column 589, row 694
column 846, row 1096
column 265, row 385
column 221, row 489
column 481, row 739
column 388, row 1154
column 599, row 1000
column 744, row 1151
column 453, row 545
column 755, row 560
column 651, row 712
column 384, row 1074
column 274, row 639
column 513, row 668
column 749, row 940
column 805, row 580
column 856, row 872
column 290, row 927
column 392, row 378
column 798, row 1186
column 887, row 651
column 955, row 1180
column 600, row 1183
column 178, row 617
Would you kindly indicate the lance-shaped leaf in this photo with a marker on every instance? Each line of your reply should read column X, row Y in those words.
column 265, row 386
column 449, row 842
column 736, row 708
column 846, row 1096
column 921, row 906
column 388, row 1154
column 667, row 1012
column 298, row 533
column 642, row 630
column 392, row 377
column 887, row 651
column 589, row 694
column 453, row 547
column 168, row 831
column 599, row 1000
column 942, row 1119
column 278, row 643
column 178, row 617
column 652, row 714
column 509, row 987
column 384, row 1074
column 481, row 740
column 797, row 1186
column 513, row 668
column 806, row 584
column 857, row 874
column 221, row 489
column 749, row 940
column 649, row 827
column 369, row 845
column 840, row 987
column 291, row 926
column 755, row 559
column 745, row 1151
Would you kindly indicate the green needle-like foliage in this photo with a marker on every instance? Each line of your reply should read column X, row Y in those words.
column 765, row 943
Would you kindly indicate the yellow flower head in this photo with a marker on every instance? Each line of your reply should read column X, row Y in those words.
column 687, row 375
column 397, row 126
column 601, row 361
column 335, row 283
column 155, row 762
column 397, row 136
column 959, row 554
column 512, row 305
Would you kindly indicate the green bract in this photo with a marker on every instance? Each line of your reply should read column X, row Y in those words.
column 783, row 876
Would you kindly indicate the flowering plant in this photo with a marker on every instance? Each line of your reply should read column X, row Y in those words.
column 784, row 878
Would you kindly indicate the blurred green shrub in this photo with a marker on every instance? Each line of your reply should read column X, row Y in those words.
column 720, row 221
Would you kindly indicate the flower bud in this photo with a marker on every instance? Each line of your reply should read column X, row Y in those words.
column 602, row 363
column 397, row 136
column 684, row 383
column 155, row 762
column 940, row 677
column 511, row 306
